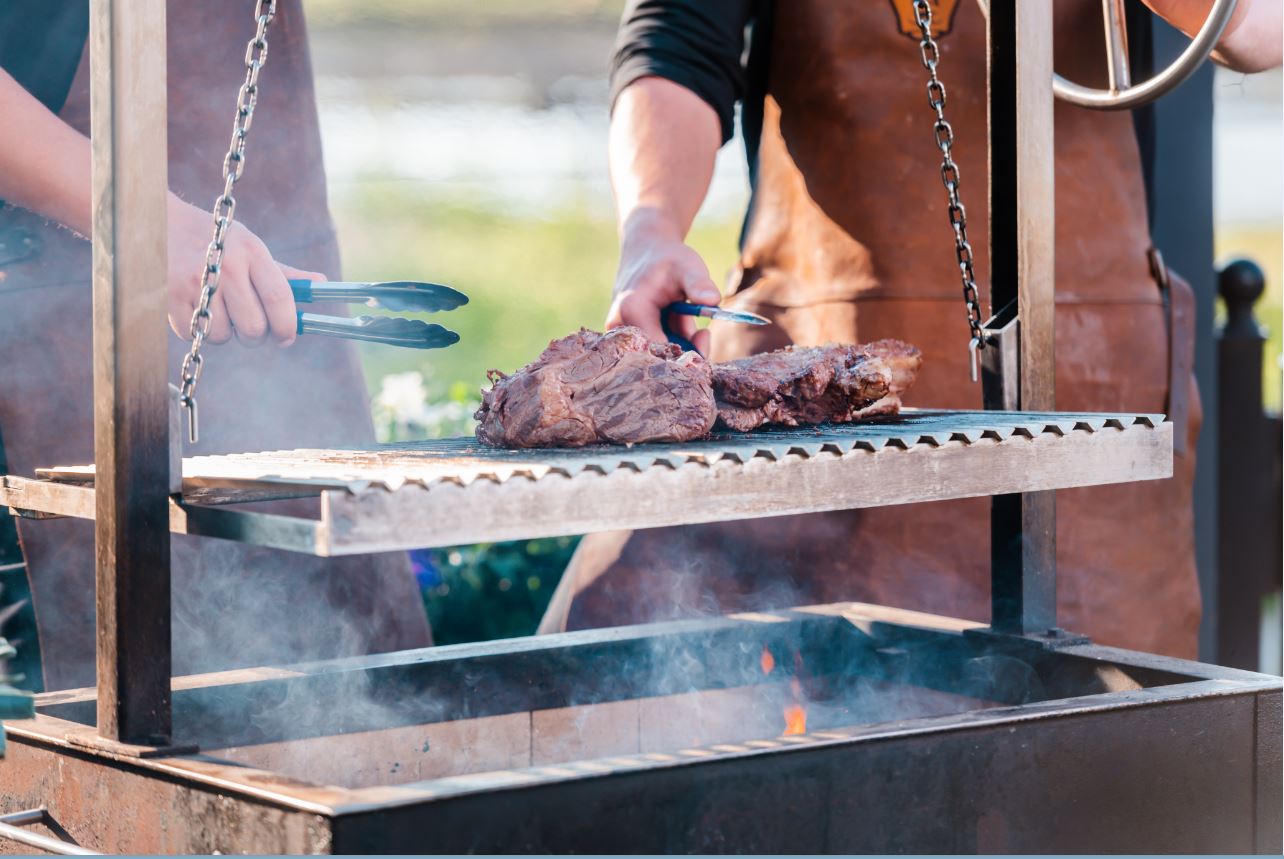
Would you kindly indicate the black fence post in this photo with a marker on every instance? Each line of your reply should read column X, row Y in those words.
column 1248, row 488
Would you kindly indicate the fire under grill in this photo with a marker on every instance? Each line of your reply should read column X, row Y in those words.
column 842, row 728
column 454, row 491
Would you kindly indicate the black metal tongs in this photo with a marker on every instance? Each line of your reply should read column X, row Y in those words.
column 399, row 295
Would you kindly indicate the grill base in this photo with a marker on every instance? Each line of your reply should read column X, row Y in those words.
column 1119, row 751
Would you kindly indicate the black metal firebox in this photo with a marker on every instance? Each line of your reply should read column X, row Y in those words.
column 924, row 735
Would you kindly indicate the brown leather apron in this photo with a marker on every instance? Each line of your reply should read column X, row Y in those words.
column 233, row 605
column 849, row 240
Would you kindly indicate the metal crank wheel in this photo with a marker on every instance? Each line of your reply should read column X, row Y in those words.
column 1123, row 94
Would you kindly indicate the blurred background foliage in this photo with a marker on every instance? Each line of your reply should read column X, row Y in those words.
column 465, row 143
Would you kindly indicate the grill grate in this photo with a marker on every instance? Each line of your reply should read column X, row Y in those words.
column 462, row 461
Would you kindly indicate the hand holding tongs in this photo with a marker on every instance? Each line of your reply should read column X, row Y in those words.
column 401, row 295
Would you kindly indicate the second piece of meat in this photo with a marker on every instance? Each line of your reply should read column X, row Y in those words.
column 811, row 385
column 587, row 388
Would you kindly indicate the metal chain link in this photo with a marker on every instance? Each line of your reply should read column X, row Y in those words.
column 944, row 133
column 224, row 208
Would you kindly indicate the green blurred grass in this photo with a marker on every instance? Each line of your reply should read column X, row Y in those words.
column 465, row 13
column 529, row 280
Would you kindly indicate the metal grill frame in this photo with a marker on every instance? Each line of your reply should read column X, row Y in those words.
column 134, row 434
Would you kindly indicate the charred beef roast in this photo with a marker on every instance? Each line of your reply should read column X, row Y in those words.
column 587, row 388
column 812, row 385
column 620, row 388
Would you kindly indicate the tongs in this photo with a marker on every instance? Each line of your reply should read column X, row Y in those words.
column 398, row 295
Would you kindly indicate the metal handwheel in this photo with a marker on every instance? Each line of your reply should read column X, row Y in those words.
column 1122, row 93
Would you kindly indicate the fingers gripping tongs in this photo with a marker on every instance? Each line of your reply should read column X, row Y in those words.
column 400, row 295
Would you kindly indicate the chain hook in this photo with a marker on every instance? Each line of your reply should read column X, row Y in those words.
column 223, row 212
column 943, row 134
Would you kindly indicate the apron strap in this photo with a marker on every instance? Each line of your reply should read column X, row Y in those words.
column 1179, row 302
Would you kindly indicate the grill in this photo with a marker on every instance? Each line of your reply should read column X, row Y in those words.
column 444, row 493
column 924, row 734
column 828, row 728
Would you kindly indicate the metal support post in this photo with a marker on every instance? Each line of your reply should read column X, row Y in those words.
column 1022, row 240
column 131, row 412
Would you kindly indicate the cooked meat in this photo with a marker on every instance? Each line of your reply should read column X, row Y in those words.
column 587, row 388
column 812, row 385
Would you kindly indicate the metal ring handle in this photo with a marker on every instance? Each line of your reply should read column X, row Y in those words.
column 1127, row 97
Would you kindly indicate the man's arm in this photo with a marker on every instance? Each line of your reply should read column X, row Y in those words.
column 676, row 75
column 44, row 167
column 1252, row 40
column 664, row 139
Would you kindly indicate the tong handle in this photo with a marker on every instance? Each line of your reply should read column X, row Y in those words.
column 681, row 308
column 302, row 290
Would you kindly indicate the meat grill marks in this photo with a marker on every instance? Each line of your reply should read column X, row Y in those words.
column 812, row 385
column 620, row 388
column 590, row 388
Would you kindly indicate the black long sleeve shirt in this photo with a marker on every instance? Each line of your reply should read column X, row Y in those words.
column 715, row 48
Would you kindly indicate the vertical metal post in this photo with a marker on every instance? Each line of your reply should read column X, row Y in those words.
column 1022, row 241
column 131, row 410
column 1182, row 227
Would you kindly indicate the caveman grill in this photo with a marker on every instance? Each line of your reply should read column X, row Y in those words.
column 922, row 733
column 832, row 728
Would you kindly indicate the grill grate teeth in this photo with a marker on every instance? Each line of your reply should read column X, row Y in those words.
column 462, row 461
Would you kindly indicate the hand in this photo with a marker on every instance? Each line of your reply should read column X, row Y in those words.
column 657, row 269
column 253, row 299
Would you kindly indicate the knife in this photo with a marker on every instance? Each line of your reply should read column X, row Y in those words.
column 388, row 330
column 685, row 308
column 397, row 295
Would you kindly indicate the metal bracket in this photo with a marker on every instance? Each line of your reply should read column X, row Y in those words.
column 161, row 749
column 1001, row 361
column 1053, row 639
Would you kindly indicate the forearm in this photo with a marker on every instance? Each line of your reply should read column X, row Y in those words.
column 44, row 163
column 1251, row 41
column 663, row 143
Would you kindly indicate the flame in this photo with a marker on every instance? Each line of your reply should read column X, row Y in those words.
column 795, row 714
column 795, row 720
column 767, row 661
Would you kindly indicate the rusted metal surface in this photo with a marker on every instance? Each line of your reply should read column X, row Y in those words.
column 1118, row 752
column 131, row 409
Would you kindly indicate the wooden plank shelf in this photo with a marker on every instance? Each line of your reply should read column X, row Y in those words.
column 452, row 491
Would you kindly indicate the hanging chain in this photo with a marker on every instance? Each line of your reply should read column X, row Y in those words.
column 224, row 208
column 944, row 133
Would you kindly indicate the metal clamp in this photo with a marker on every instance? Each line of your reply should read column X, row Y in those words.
column 11, row 830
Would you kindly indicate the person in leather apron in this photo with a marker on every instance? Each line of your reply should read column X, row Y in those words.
column 233, row 605
column 847, row 240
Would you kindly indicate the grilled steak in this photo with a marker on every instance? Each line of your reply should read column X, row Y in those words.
column 587, row 388
column 811, row 385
